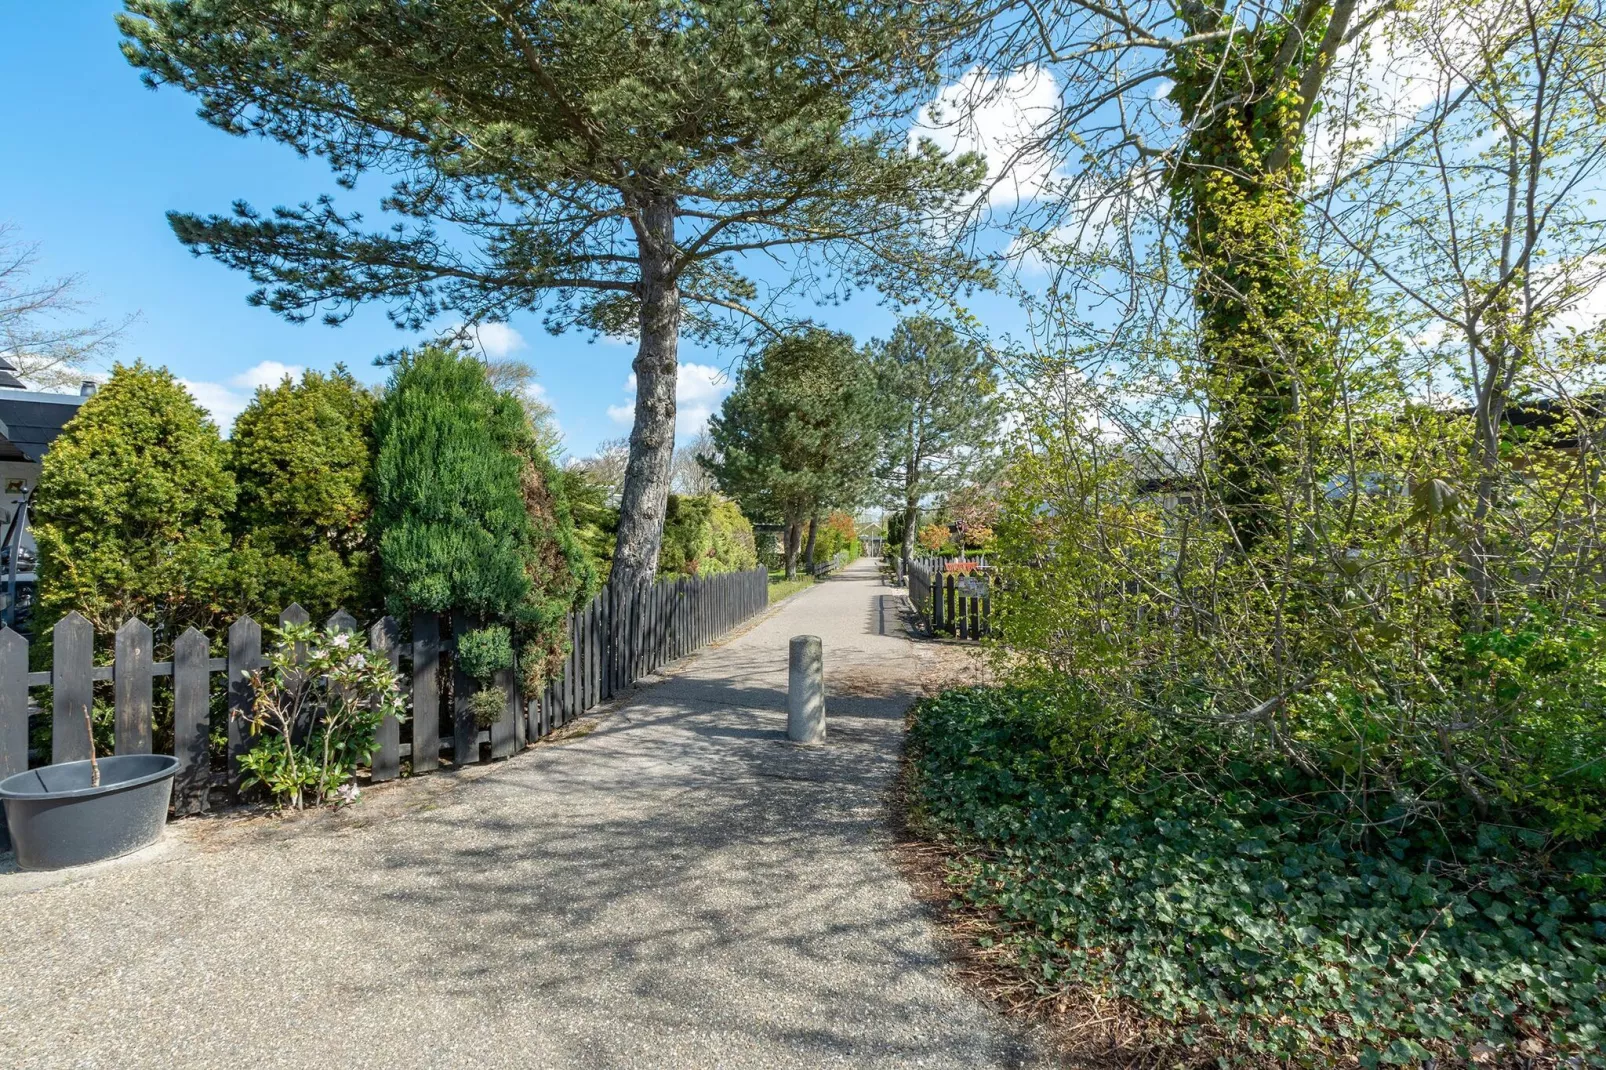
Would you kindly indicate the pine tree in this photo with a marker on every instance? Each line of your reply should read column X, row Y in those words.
column 611, row 161
column 302, row 458
column 942, row 393
column 798, row 433
column 131, row 508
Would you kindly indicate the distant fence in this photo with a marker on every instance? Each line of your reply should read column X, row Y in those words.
column 950, row 603
column 620, row 636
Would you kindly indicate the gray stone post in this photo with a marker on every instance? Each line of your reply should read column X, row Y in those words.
column 805, row 699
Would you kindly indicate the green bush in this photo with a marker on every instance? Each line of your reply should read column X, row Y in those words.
column 302, row 458
column 705, row 535
column 449, row 507
column 469, row 510
column 1197, row 889
column 483, row 652
column 129, row 515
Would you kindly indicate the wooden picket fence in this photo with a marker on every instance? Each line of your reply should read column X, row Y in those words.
column 620, row 636
column 954, row 604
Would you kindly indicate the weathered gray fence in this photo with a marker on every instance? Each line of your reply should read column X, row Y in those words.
column 617, row 638
column 951, row 603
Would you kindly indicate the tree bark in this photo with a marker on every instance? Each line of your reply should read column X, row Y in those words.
column 911, row 518
column 793, row 531
column 808, row 555
column 645, row 494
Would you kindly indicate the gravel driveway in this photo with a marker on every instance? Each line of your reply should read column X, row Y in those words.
column 677, row 888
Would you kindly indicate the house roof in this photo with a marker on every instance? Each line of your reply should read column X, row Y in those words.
column 30, row 420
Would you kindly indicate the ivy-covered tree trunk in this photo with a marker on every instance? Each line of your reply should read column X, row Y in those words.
column 1248, row 100
column 652, row 441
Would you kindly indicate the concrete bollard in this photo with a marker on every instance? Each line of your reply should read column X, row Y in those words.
column 805, row 697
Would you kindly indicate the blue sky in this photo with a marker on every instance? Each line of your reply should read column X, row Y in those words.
column 94, row 159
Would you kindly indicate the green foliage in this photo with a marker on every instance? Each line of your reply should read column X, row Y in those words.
column 449, row 505
column 302, row 458
column 595, row 522
column 487, row 706
column 317, row 706
column 836, row 534
column 799, row 431
column 1169, row 873
column 483, row 652
column 705, row 535
column 944, row 412
column 130, row 510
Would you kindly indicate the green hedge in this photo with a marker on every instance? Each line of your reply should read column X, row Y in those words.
column 705, row 535
column 1243, row 920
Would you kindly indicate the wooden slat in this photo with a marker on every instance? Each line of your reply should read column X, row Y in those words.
column 465, row 733
column 191, row 717
column 593, row 641
column 131, row 687
column 385, row 763
column 73, row 643
column 341, row 621
column 502, row 731
column 245, row 656
column 426, row 692
column 13, row 703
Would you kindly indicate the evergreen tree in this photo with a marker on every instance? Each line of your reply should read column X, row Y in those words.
column 798, row 434
column 130, row 512
column 469, row 512
column 302, row 458
column 944, row 407
column 449, row 506
column 611, row 160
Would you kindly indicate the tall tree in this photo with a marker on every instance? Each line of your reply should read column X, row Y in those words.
column 944, row 408
column 798, row 434
column 610, row 161
column 1183, row 128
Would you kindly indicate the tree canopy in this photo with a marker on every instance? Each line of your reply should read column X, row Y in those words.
column 944, row 408
column 611, row 162
column 799, row 432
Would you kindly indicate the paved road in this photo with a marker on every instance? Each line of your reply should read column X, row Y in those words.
column 678, row 888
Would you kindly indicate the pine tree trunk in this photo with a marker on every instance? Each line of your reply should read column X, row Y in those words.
column 808, row 555
column 652, row 440
column 911, row 518
column 793, row 531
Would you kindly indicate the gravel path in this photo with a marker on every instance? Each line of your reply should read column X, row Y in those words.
column 677, row 888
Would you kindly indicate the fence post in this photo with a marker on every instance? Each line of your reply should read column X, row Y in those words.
column 13, row 703
column 191, row 714
column 426, row 692
column 465, row 732
column 131, row 687
column 385, row 763
column 245, row 657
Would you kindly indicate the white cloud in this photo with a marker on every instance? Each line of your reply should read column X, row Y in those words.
column 228, row 399
column 498, row 339
column 699, row 390
column 999, row 116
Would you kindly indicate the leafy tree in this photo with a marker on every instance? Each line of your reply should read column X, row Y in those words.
column 609, row 160
column 47, row 353
column 131, row 508
column 302, row 458
column 944, row 410
column 798, row 433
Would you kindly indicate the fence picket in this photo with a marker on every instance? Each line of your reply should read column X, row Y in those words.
column 426, row 693
column 385, row 763
column 245, row 657
column 192, row 678
column 13, row 703
column 465, row 733
column 131, row 688
column 502, row 731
